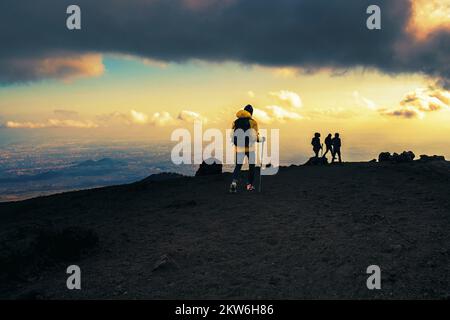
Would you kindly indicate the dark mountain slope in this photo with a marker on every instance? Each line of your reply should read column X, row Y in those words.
column 311, row 234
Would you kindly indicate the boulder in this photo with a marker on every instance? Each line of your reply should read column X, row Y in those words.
column 405, row 156
column 425, row 158
column 209, row 167
column 384, row 156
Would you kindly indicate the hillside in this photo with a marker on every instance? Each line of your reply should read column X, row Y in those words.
column 311, row 233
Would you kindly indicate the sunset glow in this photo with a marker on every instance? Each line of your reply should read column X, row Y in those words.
column 429, row 16
column 294, row 76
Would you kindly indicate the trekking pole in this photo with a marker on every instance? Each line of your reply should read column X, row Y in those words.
column 261, row 166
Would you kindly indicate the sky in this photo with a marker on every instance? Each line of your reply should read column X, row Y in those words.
column 139, row 69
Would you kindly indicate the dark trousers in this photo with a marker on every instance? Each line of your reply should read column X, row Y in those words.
column 240, row 156
column 316, row 152
column 337, row 151
column 328, row 148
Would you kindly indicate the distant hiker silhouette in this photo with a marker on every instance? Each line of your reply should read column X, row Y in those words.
column 317, row 146
column 336, row 143
column 328, row 145
column 245, row 134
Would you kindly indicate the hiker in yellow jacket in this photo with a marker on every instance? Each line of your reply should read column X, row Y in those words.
column 245, row 135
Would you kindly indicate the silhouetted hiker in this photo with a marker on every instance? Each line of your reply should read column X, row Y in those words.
column 328, row 145
column 244, row 141
column 336, row 142
column 316, row 144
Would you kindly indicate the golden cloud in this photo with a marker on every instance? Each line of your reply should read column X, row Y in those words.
column 63, row 68
column 428, row 16
column 281, row 114
column 51, row 123
column 292, row 98
column 415, row 104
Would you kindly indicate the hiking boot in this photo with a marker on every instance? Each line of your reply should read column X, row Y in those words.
column 250, row 187
column 233, row 187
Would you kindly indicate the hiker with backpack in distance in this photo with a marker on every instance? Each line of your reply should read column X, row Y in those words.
column 317, row 146
column 245, row 134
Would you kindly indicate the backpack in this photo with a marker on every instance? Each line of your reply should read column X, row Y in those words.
column 244, row 125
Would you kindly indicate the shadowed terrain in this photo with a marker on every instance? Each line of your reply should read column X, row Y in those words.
column 311, row 233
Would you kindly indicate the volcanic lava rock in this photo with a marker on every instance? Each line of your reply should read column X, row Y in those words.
column 405, row 156
column 209, row 167
column 425, row 158
column 313, row 161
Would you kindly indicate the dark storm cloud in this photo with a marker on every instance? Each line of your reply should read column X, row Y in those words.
column 300, row 33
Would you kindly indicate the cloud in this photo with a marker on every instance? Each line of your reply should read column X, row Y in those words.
column 51, row 123
column 262, row 116
column 427, row 99
column 292, row 98
column 135, row 117
column 159, row 119
column 66, row 68
column 415, row 104
column 428, row 16
column 138, row 117
column 114, row 119
column 146, row 61
column 190, row 116
column 162, row 119
column 281, row 114
column 283, row 34
column 407, row 112
column 364, row 102
column 286, row 72
column 291, row 102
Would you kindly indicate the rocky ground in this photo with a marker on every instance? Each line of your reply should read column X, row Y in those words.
column 311, row 233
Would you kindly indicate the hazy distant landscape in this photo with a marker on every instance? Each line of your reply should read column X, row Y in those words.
column 29, row 170
column 35, row 168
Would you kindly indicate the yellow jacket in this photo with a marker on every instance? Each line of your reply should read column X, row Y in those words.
column 254, row 137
